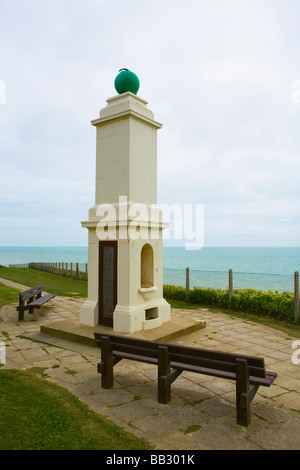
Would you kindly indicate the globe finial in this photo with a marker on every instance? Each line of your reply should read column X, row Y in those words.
column 127, row 81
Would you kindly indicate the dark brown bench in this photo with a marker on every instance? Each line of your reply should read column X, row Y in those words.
column 32, row 298
column 248, row 372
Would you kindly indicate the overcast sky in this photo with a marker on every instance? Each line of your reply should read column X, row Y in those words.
column 221, row 76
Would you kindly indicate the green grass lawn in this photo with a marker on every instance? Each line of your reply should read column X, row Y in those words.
column 8, row 295
column 36, row 414
column 52, row 283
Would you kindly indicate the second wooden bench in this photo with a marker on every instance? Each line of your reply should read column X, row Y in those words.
column 32, row 298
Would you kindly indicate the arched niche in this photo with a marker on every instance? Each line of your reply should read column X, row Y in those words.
column 147, row 266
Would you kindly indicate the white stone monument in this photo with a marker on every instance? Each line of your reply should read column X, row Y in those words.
column 125, row 258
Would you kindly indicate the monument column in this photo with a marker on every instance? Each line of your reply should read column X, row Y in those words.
column 125, row 260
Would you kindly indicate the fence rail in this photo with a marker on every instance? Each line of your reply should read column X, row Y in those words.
column 190, row 278
column 222, row 279
column 75, row 270
column 24, row 265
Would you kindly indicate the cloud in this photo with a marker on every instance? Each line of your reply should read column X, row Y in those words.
column 239, row 69
column 218, row 75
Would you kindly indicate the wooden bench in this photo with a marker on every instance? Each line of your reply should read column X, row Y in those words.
column 32, row 298
column 172, row 359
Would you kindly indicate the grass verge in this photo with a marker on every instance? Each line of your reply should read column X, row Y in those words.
column 8, row 295
column 52, row 283
column 37, row 415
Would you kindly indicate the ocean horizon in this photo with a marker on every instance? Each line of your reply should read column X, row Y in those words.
column 268, row 260
column 262, row 268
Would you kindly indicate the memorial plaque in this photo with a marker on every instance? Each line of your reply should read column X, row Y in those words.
column 108, row 281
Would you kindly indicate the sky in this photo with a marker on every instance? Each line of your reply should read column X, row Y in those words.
column 223, row 77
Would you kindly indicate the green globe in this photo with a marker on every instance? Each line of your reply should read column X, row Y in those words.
column 127, row 81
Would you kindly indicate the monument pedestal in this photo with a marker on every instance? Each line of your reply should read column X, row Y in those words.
column 128, row 319
column 89, row 313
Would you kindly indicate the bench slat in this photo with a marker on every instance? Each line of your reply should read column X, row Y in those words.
column 41, row 300
column 27, row 294
column 147, row 345
column 188, row 360
column 135, row 357
column 139, row 350
column 215, row 355
column 213, row 363
column 266, row 382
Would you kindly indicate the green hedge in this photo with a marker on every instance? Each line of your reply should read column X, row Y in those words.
column 265, row 303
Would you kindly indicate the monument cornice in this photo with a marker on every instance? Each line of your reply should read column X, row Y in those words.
column 123, row 115
column 124, row 223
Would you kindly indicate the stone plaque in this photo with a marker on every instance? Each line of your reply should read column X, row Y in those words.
column 108, row 280
column 108, row 251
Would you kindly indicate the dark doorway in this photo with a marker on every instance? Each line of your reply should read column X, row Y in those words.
column 108, row 257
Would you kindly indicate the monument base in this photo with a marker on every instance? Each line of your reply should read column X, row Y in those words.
column 129, row 319
column 89, row 313
column 71, row 330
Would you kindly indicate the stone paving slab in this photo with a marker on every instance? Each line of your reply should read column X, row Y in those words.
column 201, row 414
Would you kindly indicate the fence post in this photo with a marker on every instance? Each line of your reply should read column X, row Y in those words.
column 187, row 282
column 230, row 284
column 77, row 276
column 71, row 269
column 296, row 296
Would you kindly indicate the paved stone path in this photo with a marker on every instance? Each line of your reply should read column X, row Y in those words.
column 201, row 414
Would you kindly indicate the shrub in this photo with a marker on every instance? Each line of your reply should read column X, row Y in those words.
column 174, row 292
column 214, row 297
column 265, row 303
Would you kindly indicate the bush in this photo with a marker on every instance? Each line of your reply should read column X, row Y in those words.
column 265, row 303
column 272, row 304
column 174, row 292
column 214, row 297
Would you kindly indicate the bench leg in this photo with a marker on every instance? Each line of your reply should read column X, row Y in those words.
column 107, row 378
column 30, row 300
column 164, row 368
column 21, row 313
column 21, row 309
column 243, row 393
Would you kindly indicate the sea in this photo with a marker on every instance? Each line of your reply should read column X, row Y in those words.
column 254, row 267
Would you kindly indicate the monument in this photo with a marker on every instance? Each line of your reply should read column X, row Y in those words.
column 125, row 227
